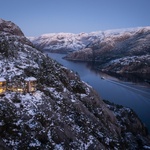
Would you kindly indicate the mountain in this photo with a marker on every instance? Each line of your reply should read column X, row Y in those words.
column 63, row 42
column 64, row 112
column 66, row 42
column 119, row 51
column 126, row 52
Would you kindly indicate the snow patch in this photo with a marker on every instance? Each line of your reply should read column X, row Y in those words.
column 35, row 143
column 146, row 147
column 83, row 95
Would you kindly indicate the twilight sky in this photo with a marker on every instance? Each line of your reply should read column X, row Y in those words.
column 36, row 17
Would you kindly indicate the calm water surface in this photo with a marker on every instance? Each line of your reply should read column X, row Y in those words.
column 127, row 94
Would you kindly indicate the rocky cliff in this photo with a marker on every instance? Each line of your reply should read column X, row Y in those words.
column 64, row 112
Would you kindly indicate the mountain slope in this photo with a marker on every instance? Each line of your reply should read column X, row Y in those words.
column 63, row 42
column 64, row 112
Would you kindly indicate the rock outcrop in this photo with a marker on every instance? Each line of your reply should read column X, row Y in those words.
column 10, row 27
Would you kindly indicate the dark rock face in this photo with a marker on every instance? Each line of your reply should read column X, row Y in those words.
column 64, row 112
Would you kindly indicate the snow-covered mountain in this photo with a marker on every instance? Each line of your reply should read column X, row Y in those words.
column 62, row 42
column 103, row 47
column 66, row 42
column 120, row 52
column 64, row 112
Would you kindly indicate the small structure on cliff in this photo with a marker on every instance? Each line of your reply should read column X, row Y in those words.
column 30, row 84
column 27, row 85
column 2, row 86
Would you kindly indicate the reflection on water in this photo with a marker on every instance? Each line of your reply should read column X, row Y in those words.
column 110, row 88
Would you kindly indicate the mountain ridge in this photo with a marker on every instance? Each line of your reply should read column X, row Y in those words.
column 76, row 39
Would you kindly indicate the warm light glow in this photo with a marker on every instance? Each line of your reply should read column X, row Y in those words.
column 32, row 89
column 2, row 90
column 2, row 83
column 20, row 90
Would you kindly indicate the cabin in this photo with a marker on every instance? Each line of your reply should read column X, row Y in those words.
column 2, row 86
column 30, row 84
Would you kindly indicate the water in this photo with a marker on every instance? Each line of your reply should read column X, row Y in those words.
column 109, row 88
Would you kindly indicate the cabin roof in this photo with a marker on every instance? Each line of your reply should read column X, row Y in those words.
column 2, row 79
column 30, row 79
